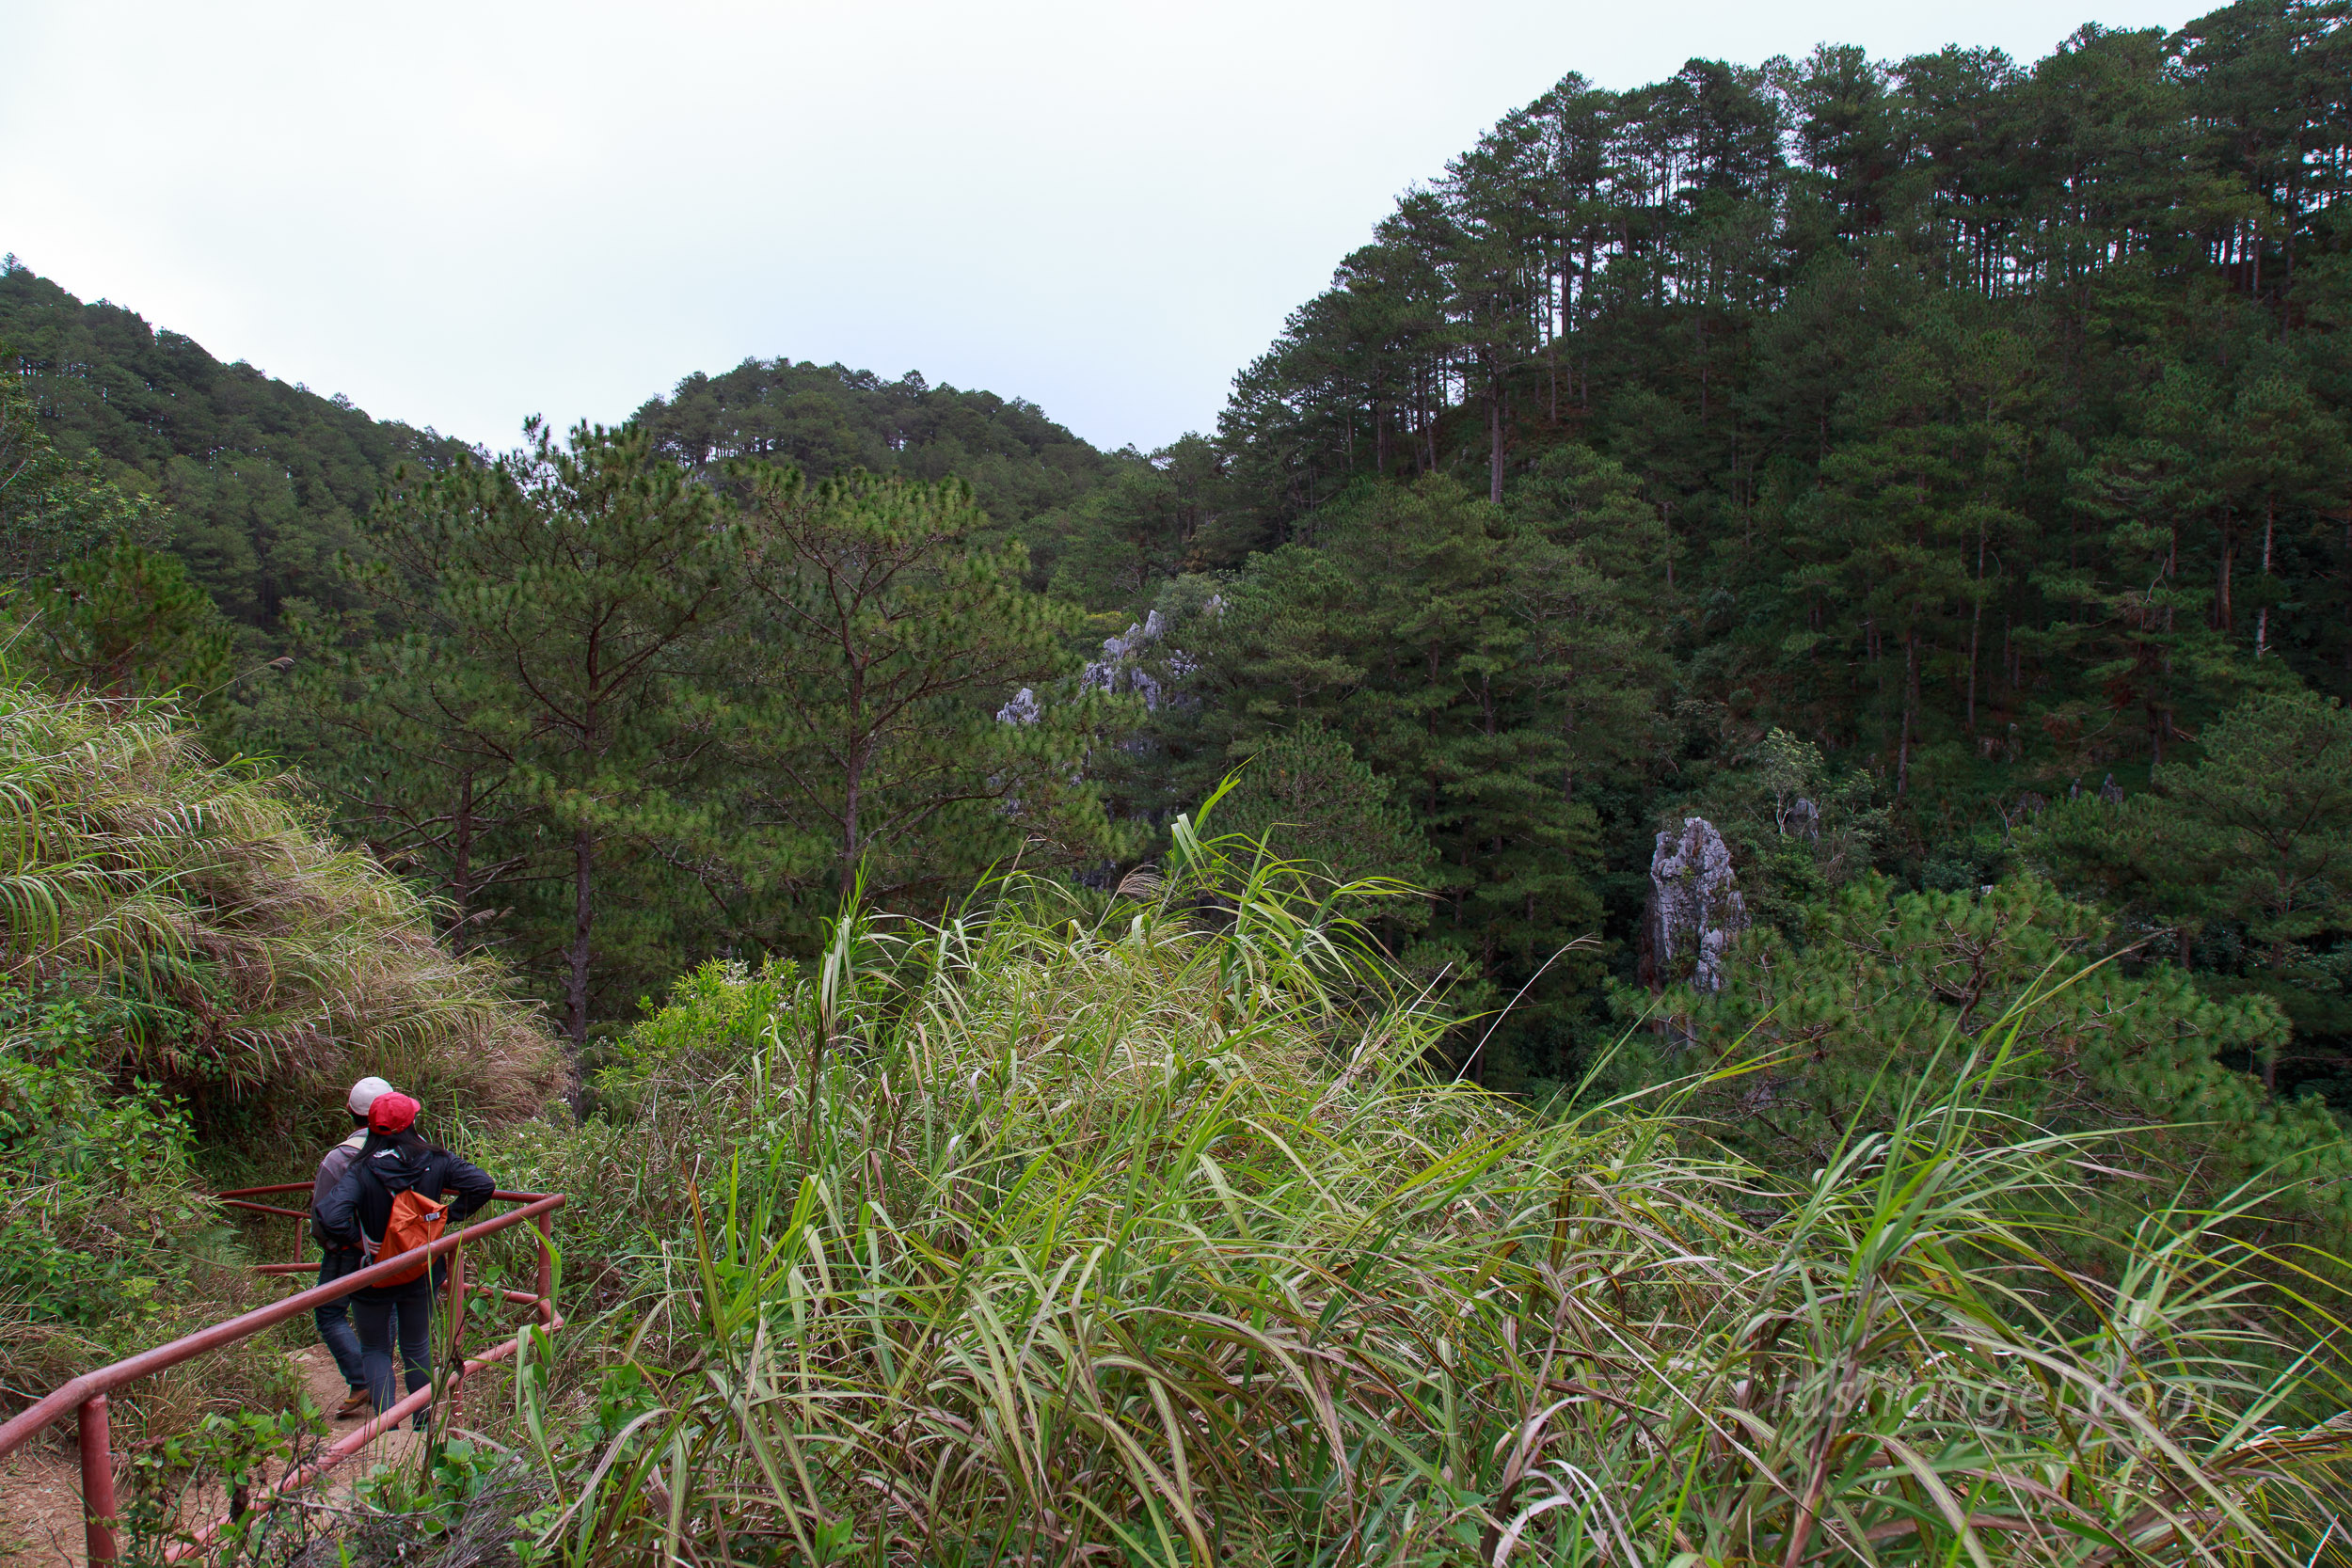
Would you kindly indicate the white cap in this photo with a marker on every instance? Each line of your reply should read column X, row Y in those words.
column 363, row 1094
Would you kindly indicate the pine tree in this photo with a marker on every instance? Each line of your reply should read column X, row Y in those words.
column 2242, row 859
column 127, row 621
column 556, row 596
column 1305, row 796
column 1890, row 987
column 880, row 639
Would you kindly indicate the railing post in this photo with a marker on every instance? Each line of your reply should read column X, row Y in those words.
column 98, row 1482
column 546, row 1270
column 86, row 1395
column 452, row 1381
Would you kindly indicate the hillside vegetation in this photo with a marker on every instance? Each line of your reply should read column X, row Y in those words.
column 1980, row 423
column 194, row 971
column 1139, row 1227
column 1773, row 653
column 267, row 483
column 1947, row 441
column 828, row 420
column 1149, row 1223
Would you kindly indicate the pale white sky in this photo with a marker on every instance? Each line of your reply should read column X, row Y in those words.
column 462, row 214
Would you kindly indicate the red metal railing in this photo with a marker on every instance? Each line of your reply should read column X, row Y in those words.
column 87, row 1394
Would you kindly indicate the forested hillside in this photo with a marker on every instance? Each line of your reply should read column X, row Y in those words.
column 1935, row 469
column 346, row 595
column 265, row 482
column 1978, row 427
column 828, row 418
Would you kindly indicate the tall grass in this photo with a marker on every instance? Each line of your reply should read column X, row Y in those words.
column 258, row 959
column 1063, row 1230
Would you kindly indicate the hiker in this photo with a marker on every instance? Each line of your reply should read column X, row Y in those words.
column 335, row 1259
column 392, row 1197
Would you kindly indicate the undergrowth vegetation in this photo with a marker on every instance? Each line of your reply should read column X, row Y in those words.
column 1883, row 980
column 258, row 964
column 1138, row 1229
column 190, row 972
column 1141, row 1227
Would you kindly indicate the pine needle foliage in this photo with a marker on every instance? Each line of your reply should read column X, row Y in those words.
column 1071, row 1229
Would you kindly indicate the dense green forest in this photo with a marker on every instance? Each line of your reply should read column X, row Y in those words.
column 267, row 484
column 1979, row 428
column 1951, row 445
column 271, row 554
column 264, row 483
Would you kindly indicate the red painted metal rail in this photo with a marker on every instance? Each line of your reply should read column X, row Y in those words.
column 87, row 1394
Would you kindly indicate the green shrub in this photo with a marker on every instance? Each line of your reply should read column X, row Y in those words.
column 1834, row 1030
column 107, row 1243
column 99, row 1179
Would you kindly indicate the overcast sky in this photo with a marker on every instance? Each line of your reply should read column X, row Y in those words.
column 460, row 215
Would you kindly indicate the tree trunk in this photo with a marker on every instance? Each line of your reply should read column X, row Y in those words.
column 1437, row 412
column 2261, row 617
column 1494, row 462
column 1551, row 352
column 583, row 918
column 2221, row 598
column 1911, row 706
column 2270, row 1051
column 461, row 858
column 1976, row 628
column 1698, row 332
column 850, row 845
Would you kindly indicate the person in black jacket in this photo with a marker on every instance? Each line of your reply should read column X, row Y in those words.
column 334, row 1319
column 397, row 1159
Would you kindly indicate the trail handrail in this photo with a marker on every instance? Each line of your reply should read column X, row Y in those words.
column 87, row 1394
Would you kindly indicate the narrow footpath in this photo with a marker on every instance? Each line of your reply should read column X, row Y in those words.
column 40, row 1485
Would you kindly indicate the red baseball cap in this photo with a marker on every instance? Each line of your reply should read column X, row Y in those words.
column 393, row 1112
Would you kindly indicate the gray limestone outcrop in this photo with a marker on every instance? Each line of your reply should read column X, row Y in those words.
column 1696, row 909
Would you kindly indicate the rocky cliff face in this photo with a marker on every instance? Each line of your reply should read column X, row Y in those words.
column 1135, row 661
column 1696, row 909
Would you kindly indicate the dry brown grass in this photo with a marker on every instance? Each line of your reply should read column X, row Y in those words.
column 273, row 963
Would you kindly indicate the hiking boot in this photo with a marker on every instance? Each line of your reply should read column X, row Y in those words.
column 354, row 1406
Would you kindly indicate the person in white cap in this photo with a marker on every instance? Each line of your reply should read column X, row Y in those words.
column 337, row 1259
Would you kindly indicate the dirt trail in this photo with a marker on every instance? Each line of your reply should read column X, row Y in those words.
column 40, row 1507
column 40, row 1485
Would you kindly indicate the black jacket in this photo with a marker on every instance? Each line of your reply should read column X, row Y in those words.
column 362, row 1201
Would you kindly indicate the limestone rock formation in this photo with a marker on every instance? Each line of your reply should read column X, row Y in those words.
column 1133, row 661
column 1696, row 908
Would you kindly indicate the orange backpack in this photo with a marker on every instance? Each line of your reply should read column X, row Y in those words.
column 416, row 1222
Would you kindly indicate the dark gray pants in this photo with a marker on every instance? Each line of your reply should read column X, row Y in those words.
column 407, row 1311
column 334, row 1319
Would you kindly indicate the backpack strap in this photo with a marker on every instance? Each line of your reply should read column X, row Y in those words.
column 368, row 1180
